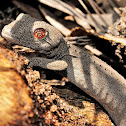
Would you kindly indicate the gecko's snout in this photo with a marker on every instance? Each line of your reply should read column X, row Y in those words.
column 6, row 32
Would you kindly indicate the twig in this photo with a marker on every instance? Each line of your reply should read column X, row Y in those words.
column 75, row 8
column 86, row 9
column 107, row 16
column 65, row 31
column 99, row 8
column 76, row 38
column 114, row 7
column 108, row 37
column 54, row 82
column 79, row 40
column 62, row 6
column 97, row 12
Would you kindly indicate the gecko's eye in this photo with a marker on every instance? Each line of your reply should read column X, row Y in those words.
column 40, row 33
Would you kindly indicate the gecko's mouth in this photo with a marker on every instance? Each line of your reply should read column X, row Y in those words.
column 6, row 33
column 7, row 36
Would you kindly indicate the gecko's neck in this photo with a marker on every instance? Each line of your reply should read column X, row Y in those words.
column 58, row 52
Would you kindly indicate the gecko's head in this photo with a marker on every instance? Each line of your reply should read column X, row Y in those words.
column 29, row 32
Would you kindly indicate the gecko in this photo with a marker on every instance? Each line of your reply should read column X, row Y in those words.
column 86, row 71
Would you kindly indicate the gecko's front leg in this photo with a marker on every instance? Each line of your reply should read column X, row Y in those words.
column 50, row 64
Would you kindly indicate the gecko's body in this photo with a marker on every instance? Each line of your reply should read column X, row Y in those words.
column 88, row 72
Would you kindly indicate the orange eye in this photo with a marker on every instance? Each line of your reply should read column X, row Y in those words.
column 39, row 33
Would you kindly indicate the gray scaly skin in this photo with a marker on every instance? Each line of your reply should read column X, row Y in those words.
column 88, row 72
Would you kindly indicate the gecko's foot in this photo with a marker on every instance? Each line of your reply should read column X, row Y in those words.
column 57, row 65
